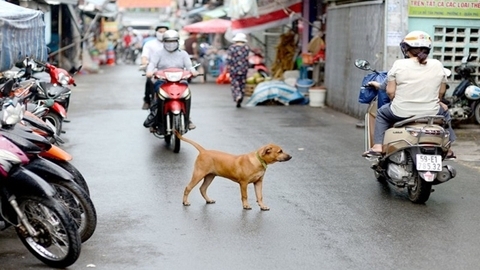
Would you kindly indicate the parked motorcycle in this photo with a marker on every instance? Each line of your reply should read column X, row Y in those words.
column 176, row 95
column 415, row 149
column 464, row 103
column 29, row 204
column 51, row 96
column 69, row 192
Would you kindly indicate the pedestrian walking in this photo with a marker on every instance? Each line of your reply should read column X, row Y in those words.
column 237, row 66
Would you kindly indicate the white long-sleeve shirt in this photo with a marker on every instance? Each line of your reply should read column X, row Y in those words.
column 151, row 47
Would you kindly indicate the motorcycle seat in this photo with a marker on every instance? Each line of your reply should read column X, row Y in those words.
column 430, row 120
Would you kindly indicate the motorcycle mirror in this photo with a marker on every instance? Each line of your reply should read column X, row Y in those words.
column 362, row 64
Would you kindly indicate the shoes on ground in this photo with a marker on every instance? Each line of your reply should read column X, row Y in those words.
column 191, row 125
column 239, row 102
column 146, row 106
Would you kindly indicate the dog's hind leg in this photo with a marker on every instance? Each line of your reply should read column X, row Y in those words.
column 203, row 188
column 196, row 178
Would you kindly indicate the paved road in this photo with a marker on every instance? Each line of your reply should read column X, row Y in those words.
column 327, row 211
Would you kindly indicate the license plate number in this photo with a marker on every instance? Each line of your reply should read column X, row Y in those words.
column 429, row 163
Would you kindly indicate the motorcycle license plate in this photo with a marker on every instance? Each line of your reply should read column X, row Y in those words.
column 429, row 163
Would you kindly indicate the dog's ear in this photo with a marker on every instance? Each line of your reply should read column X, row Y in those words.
column 266, row 150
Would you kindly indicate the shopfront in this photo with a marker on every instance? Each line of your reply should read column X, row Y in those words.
column 455, row 29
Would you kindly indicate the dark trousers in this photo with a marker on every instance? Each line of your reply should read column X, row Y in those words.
column 149, row 91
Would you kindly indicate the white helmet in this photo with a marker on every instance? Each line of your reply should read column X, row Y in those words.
column 170, row 40
column 416, row 39
column 472, row 92
column 171, row 35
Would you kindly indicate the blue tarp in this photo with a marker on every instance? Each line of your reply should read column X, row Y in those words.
column 22, row 33
column 275, row 90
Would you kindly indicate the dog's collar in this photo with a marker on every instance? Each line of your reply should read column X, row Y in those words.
column 261, row 161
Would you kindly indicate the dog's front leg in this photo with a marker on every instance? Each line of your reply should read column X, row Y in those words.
column 243, row 191
column 258, row 193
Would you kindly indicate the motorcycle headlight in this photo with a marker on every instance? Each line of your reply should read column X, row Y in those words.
column 12, row 113
column 174, row 76
column 63, row 79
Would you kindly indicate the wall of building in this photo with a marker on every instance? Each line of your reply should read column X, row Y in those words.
column 452, row 40
column 353, row 31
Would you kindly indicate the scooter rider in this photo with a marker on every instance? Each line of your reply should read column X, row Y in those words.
column 149, row 48
column 170, row 57
column 415, row 86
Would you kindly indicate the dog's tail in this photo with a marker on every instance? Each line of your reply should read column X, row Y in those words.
column 196, row 145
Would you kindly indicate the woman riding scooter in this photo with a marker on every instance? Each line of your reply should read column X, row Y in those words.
column 170, row 57
column 415, row 86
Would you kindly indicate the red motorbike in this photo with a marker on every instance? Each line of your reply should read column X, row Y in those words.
column 172, row 106
column 51, row 96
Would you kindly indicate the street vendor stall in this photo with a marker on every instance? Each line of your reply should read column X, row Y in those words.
column 22, row 33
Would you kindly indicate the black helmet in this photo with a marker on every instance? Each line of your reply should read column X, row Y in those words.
column 161, row 26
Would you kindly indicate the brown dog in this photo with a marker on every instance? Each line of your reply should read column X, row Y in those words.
column 243, row 169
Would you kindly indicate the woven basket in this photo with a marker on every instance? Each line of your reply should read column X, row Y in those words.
column 249, row 88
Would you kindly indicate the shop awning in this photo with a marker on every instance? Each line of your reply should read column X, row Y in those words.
column 103, row 7
column 22, row 34
column 58, row 2
column 209, row 26
column 271, row 14
column 143, row 3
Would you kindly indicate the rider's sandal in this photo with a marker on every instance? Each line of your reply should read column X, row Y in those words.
column 451, row 156
column 371, row 153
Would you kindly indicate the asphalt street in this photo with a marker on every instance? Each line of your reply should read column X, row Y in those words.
column 327, row 209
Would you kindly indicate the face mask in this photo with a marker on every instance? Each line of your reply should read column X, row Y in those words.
column 170, row 46
column 159, row 36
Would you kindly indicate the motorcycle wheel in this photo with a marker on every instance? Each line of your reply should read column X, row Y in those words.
column 58, row 243
column 380, row 178
column 56, row 120
column 79, row 205
column 77, row 175
column 476, row 112
column 420, row 191
column 171, row 140
column 177, row 123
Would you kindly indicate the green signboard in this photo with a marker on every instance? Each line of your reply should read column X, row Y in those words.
column 461, row 9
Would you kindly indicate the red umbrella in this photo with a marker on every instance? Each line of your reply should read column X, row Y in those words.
column 209, row 26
